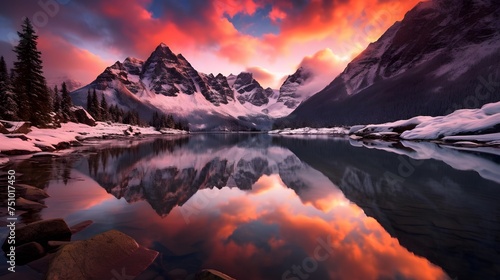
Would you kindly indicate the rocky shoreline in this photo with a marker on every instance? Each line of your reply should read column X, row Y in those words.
column 70, row 135
column 46, row 247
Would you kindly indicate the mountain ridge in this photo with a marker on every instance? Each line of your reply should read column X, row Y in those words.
column 168, row 83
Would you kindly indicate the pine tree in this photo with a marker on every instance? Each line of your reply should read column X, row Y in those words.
column 96, row 112
column 163, row 121
column 30, row 86
column 57, row 100
column 4, row 84
column 8, row 106
column 89, row 102
column 170, row 121
column 155, row 120
column 66, row 103
column 104, row 109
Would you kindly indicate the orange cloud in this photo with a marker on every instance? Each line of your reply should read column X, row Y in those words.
column 354, row 22
column 263, row 76
column 324, row 62
column 276, row 14
column 58, row 56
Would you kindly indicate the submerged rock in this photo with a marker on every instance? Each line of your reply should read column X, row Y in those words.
column 31, row 192
column 80, row 226
column 42, row 232
column 28, row 205
column 108, row 255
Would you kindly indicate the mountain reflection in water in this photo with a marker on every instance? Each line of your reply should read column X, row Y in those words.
column 258, row 207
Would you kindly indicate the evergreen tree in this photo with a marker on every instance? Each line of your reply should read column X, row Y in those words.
column 4, row 74
column 163, row 121
column 8, row 106
column 89, row 101
column 96, row 112
column 170, row 122
column 155, row 120
column 66, row 103
column 4, row 86
column 104, row 109
column 30, row 86
column 57, row 100
column 132, row 118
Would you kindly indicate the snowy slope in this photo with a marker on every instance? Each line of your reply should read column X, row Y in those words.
column 442, row 54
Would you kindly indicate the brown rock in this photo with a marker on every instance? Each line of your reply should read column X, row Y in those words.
column 42, row 232
column 31, row 192
column 28, row 205
column 29, row 252
column 80, row 226
column 3, row 130
column 82, row 116
column 108, row 255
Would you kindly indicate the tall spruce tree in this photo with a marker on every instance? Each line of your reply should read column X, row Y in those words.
column 8, row 106
column 4, row 86
column 104, row 109
column 96, row 112
column 57, row 100
column 66, row 103
column 29, row 85
column 89, row 101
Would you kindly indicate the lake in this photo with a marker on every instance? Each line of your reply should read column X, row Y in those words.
column 260, row 207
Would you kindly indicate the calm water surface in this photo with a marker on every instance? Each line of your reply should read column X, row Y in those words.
column 262, row 207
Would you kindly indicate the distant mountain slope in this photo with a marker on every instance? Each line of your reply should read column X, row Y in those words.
column 443, row 56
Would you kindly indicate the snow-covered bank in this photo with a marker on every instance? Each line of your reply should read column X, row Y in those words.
column 474, row 125
column 311, row 131
column 467, row 127
column 69, row 134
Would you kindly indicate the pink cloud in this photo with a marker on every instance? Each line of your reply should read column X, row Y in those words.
column 263, row 76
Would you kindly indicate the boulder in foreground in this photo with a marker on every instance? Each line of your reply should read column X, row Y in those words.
column 109, row 255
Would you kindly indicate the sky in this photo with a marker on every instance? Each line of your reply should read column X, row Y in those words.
column 270, row 38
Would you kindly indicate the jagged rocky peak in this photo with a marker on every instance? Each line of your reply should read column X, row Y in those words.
column 231, row 79
column 288, row 91
column 249, row 90
column 244, row 78
column 110, row 74
column 245, row 83
column 163, row 51
column 299, row 77
column 169, row 74
column 133, row 65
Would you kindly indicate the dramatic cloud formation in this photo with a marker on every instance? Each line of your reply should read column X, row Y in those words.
column 264, row 76
column 215, row 36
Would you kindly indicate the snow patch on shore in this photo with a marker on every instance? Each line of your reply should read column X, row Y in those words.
column 47, row 139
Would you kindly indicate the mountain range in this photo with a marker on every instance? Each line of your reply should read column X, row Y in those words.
column 168, row 83
column 443, row 56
